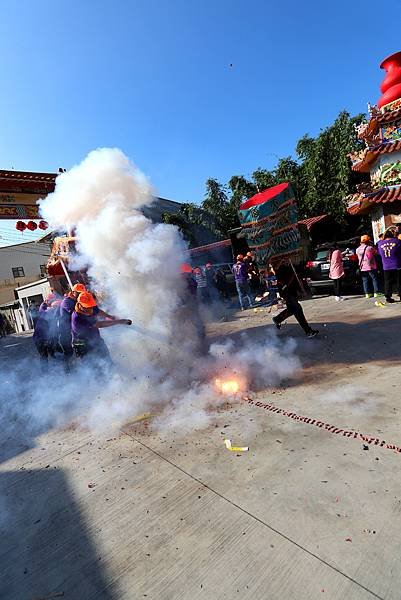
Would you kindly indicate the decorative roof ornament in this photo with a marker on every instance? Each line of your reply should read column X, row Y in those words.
column 369, row 133
column 391, row 84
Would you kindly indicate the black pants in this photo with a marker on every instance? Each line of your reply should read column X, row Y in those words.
column 392, row 282
column 294, row 308
column 65, row 344
column 337, row 287
column 45, row 351
column 97, row 350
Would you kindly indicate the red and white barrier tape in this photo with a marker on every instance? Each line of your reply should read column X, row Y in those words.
column 325, row 426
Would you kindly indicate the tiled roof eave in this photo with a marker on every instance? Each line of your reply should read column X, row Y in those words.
column 373, row 153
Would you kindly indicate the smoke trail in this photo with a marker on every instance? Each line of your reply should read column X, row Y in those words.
column 134, row 263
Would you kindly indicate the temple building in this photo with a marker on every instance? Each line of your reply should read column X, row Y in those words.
column 381, row 158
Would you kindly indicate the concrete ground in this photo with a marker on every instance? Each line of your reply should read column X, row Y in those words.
column 305, row 514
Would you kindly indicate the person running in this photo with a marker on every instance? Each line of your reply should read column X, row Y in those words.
column 240, row 270
column 336, row 271
column 289, row 288
column 85, row 325
column 366, row 253
column 390, row 251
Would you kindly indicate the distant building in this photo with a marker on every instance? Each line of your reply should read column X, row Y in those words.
column 21, row 264
column 23, row 276
column 380, row 198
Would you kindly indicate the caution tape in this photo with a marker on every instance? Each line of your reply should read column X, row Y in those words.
column 325, row 426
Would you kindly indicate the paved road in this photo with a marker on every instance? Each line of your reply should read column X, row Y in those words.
column 305, row 514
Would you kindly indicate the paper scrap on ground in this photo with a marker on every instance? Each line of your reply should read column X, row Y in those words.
column 235, row 448
column 142, row 417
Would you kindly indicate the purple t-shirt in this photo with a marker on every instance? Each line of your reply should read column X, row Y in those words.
column 390, row 252
column 45, row 323
column 240, row 270
column 83, row 327
column 67, row 307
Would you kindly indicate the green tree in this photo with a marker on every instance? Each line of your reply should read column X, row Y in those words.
column 219, row 214
column 321, row 178
column 325, row 176
column 263, row 179
column 241, row 190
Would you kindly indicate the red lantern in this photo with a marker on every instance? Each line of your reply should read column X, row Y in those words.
column 20, row 225
column 31, row 225
column 43, row 225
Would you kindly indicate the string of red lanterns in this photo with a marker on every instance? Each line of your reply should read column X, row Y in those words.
column 31, row 225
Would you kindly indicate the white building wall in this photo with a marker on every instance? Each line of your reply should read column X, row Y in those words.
column 37, row 291
column 30, row 256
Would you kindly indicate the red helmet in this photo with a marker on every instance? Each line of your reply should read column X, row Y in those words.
column 185, row 268
column 86, row 300
column 79, row 287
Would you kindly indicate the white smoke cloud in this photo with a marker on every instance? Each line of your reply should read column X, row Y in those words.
column 135, row 264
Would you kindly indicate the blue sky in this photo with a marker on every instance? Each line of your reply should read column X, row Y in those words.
column 153, row 77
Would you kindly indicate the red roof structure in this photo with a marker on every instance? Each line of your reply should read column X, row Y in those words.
column 27, row 182
column 390, row 194
column 312, row 221
column 370, row 155
column 214, row 246
column 264, row 196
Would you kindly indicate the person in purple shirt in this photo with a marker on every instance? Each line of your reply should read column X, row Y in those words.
column 390, row 252
column 67, row 307
column 240, row 270
column 45, row 325
column 85, row 325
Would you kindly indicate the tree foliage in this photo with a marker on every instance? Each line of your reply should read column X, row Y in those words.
column 325, row 175
column 321, row 177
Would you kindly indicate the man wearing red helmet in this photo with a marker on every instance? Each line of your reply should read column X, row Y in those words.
column 85, row 325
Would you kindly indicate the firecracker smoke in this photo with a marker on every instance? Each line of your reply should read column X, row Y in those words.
column 134, row 265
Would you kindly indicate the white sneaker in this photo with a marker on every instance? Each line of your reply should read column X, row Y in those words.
column 337, row 298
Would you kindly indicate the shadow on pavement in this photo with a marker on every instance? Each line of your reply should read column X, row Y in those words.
column 338, row 342
column 44, row 545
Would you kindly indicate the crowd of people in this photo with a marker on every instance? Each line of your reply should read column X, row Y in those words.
column 70, row 326
column 211, row 285
column 375, row 262
column 254, row 286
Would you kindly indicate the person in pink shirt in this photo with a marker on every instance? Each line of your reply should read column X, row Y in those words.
column 336, row 271
column 366, row 253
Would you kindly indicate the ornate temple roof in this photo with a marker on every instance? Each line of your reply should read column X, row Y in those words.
column 382, row 135
column 363, row 161
column 361, row 203
column 387, row 194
